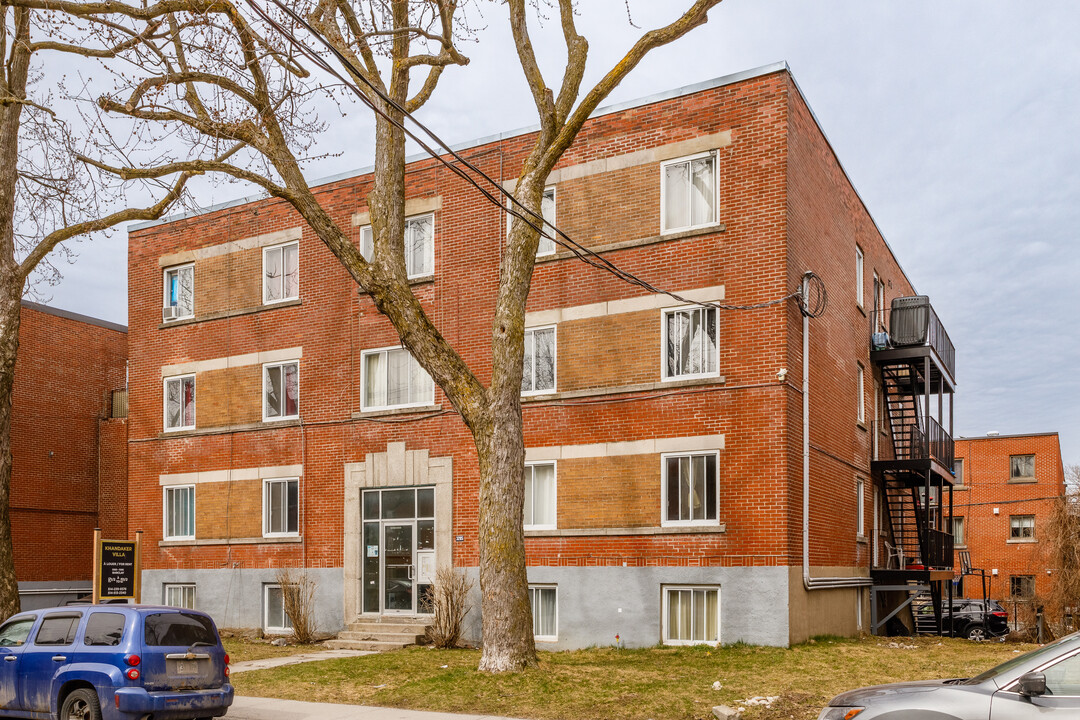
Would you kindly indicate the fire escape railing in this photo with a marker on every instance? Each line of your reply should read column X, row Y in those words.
column 939, row 554
column 912, row 322
column 912, row 442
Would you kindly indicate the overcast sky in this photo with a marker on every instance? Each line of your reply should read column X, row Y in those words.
column 958, row 123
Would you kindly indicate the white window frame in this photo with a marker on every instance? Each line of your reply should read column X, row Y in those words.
column 165, row 403
column 860, row 377
column 184, row 588
column 549, row 224
column 664, row 522
column 367, row 229
column 165, row 289
column 1014, row 478
column 961, row 480
column 665, row 602
column 962, row 542
column 165, row 512
column 860, row 260
column 664, row 345
column 267, row 627
column 363, row 382
column 555, row 588
column 267, row 482
column 281, row 248
column 554, row 493
column 1020, row 525
column 265, row 369
column 554, row 359
column 860, row 506
column 664, row 230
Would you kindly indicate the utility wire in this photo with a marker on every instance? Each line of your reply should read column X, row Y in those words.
column 516, row 209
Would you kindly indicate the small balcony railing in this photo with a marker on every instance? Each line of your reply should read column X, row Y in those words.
column 912, row 322
column 912, row 442
column 940, row 552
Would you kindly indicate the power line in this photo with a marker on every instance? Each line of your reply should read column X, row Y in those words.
column 516, row 209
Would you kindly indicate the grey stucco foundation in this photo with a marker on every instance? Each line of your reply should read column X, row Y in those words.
column 234, row 596
column 597, row 603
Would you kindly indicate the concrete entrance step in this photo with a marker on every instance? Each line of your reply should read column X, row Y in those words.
column 405, row 638
column 371, row 645
column 388, row 632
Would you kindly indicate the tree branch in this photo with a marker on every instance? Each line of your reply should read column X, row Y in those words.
column 542, row 95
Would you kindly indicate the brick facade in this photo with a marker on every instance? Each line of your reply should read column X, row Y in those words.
column 990, row 496
column 785, row 207
column 69, row 459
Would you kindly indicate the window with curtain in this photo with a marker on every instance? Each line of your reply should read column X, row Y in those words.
column 540, row 495
column 958, row 531
column 538, row 369
column 419, row 245
column 692, row 615
column 690, row 489
column 688, row 193
column 180, row 402
column 544, row 602
column 281, row 391
column 179, row 301
column 1022, row 527
column 281, row 273
column 180, row 512
column 393, row 378
column 1021, row 467
column 690, row 343
column 281, row 507
column 180, row 595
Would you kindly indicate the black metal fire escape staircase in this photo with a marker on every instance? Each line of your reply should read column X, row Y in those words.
column 914, row 471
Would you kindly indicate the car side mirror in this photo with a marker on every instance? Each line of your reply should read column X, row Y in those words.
column 1032, row 684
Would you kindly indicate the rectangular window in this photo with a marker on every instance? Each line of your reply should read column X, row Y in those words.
column 688, row 193
column 1022, row 586
column 58, row 629
column 275, row 619
column 281, row 391
column 392, row 378
column 538, row 370
column 879, row 303
column 690, row 343
column 858, row 275
column 180, row 402
column 545, row 611
column 958, row 531
column 540, row 496
column 691, row 615
column 860, row 503
column 860, row 378
column 419, row 245
column 690, row 489
column 1021, row 527
column 180, row 595
column 179, row 300
column 281, row 273
column 180, row 512
column 958, row 471
column 1021, row 467
column 281, row 507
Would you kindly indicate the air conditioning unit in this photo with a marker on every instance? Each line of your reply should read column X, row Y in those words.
column 909, row 320
column 172, row 312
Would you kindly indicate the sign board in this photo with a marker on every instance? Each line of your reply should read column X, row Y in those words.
column 118, row 567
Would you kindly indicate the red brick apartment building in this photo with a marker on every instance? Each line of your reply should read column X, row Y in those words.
column 1005, row 488
column 69, row 452
column 276, row 421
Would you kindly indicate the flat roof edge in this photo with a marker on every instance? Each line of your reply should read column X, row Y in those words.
column 1005, row 436
column 49, row 310
column 721, row 81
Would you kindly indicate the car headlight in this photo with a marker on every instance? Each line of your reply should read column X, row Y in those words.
column 839, row 713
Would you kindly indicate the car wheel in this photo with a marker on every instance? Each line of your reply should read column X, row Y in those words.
column 81, row 704
column 976, row 633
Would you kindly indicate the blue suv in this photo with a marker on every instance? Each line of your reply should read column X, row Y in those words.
column 113, row 662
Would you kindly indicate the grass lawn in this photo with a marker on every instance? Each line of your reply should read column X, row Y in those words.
column 657, row 683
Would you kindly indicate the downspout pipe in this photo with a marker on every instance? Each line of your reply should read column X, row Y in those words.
column 813, row 583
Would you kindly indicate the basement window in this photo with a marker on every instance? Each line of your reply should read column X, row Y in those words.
column 275, row 620
column 691, row 615
column 544, row 600
column 180, row 595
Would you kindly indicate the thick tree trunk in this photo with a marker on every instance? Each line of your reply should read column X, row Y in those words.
column 507, row 617
column 10, row 307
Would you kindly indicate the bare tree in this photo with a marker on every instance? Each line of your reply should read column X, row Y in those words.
column 1061, row 552
column 229, row 74
column 47, row 194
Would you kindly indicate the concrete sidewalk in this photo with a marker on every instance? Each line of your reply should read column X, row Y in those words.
column 273, row 662
column 251, row 708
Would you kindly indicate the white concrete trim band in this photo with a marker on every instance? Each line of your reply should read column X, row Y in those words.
column 633, row 447
column 217, row 476
column 205, row 253
column 642, row 303
column 232, row 361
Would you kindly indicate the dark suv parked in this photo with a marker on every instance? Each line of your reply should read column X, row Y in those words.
column 113, row 662
column 978, row 619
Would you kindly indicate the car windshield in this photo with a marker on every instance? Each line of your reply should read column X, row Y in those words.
column 1046, row 652
column 179, row 630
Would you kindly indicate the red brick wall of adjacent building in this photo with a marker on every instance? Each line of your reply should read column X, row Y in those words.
column 65, row 371
column 989, row 497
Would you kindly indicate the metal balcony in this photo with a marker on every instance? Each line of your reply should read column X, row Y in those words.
column 912, row 323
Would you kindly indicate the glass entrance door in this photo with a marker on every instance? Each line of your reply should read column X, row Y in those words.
column 399, row 569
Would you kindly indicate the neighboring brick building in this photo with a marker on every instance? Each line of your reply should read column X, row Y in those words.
column 275, row 421
column 1005, row 488
column 69, row 455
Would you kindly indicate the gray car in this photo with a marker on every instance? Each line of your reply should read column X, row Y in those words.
column 1043, row 683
